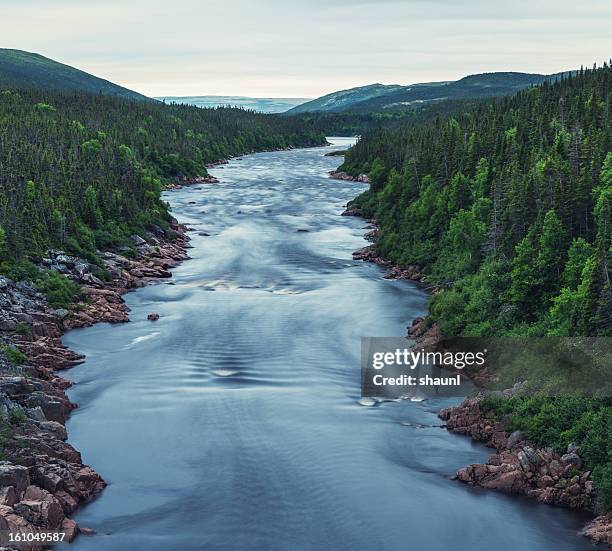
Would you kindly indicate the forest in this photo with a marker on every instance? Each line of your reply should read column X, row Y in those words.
column 82, row 172
column 507, row 207
column 356, row 123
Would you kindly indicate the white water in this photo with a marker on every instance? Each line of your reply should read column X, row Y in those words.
column 233, row 422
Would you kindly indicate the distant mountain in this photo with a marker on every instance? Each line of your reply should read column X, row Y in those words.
column 378, row 97
column 346, row 99
column 262, row 105
column 19, row 69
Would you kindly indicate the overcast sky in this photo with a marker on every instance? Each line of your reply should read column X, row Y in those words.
column 305, row 48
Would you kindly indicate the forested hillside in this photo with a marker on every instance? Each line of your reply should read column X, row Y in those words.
column 356, row 123
column 508, row 206
column 379, row 97
column 83, row 171
column 19, row 69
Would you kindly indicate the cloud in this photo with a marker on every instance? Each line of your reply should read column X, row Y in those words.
column 306, row 47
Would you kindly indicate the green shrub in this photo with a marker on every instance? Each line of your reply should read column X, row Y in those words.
column 13, row 355
column 59, row 290
column 17, row 416
column 602, row 477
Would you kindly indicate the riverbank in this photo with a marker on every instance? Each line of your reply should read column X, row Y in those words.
column 43, row 479
column 517, row 467
column 426, row 333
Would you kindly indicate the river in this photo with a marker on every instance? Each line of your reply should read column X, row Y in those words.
column 233, row 422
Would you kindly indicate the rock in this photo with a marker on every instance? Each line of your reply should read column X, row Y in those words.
column 14, row 475
column 529, row 459
column 526, row 470
column 545, row 482
column 599, row 530
column 514, row 439
column 338, row 175
column 8, row 496
column 571, row 459
column 351, row 211
column 513, row 482
column 153, row 316
column 61, row 313
column 555, row 468
column 137, row 240
column 11, row 521
column 70, row 528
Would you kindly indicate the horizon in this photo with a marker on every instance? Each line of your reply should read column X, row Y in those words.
column 306, row 49
column 304, row 98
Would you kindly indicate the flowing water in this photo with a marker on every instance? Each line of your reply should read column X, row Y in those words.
column 233, row 422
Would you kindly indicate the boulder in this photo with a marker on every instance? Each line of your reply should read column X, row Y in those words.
column 514, row 439
column 14, row 475
column 571, row 459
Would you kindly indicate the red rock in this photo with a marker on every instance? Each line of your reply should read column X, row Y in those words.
column 545, row 482
column 70, row 528
column 599, row 530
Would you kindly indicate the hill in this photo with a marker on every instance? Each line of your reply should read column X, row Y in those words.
column 345, row 100
column 83, row 171
column 19, row 69
column 379, row 97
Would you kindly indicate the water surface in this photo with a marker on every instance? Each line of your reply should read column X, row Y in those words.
column 232, row 423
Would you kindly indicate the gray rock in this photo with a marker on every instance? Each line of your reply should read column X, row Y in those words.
column 137, row 240
column 572, row 459
column 36, row 413
column 14, row 475
column 514, row 439
column 61, row 313
column 529, row 458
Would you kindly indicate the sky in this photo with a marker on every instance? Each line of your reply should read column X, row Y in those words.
column 305, row 48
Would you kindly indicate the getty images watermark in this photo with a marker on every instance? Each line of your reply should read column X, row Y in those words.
column 391, row 368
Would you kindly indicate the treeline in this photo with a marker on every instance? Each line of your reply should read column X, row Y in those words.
column 356, row 123
column 83, row 171
column 508, row 206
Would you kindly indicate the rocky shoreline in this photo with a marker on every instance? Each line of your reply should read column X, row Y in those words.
column 339, row 175
column 519, row 468
column 516, row 467
column 42, row 478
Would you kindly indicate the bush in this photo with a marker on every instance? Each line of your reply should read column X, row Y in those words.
column 13, row 355
column 602, row 477
column 17, row 416
column 59, row 290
